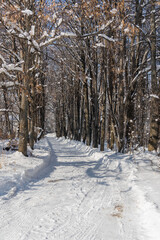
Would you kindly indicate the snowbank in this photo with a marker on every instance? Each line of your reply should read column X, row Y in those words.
column 16, row 170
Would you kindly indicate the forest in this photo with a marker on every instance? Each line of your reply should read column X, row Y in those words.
column 88, row 70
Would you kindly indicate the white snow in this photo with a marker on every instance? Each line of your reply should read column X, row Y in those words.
column 154, row 96
column 36, row 45
column 126, row 30
column 32, row 31
column 27, row 12
column 67, row 191
column 113, row 11
column 52, row 33
column 53, row 39
column 68, row 34
column 120, row 26
column 8, row 84
column 100, row 45
column 107, row 38
column 3, row 70
column 54, row 16
column 4, row 110
column 45, row 34
column 11, row 67
column 59, row 22
column 21, row 35
column 106, row 25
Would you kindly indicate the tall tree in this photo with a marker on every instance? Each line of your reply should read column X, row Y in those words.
column 155, row 100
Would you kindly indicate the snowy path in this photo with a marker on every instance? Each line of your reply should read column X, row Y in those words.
column 82, row 198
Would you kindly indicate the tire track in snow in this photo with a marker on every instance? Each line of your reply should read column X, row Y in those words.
column 85, row 207
column 82, row 205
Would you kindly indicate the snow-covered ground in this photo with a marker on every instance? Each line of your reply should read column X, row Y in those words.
column 68, row 191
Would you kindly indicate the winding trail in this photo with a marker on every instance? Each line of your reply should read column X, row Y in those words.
column 81, row 199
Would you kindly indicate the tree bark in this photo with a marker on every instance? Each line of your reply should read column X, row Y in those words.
column 155, row 121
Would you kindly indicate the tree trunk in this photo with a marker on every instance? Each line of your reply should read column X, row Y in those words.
column 86, row 111
column 155, row 121
column 103, row 120
column 23, row 128
column 8, row 128
column 32, row 115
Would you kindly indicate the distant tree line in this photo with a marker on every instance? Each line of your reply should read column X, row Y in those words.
column 94, row 64
column 107, row 84
column 26, row 28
